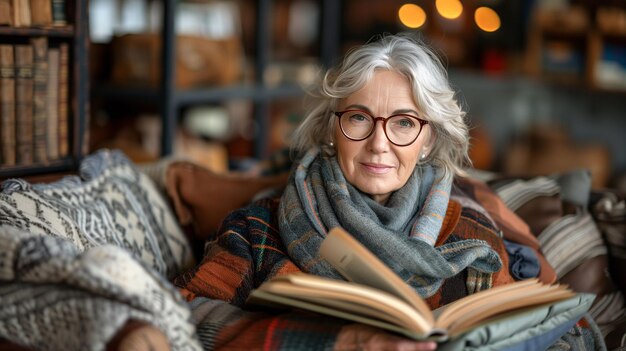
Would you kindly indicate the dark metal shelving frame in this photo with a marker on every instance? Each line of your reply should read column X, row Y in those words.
column 171, row 99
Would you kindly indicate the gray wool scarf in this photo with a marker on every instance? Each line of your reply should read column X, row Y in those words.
column 401, row 232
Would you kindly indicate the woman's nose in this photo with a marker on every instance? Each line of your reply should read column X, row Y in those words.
column 378, row 141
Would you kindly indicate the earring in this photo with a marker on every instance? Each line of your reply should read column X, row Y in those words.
column 331, row 143
column 423, row 157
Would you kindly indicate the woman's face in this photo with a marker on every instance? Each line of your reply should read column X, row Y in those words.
column 375, row 166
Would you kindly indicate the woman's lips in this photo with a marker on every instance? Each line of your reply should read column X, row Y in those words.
column 377, row 168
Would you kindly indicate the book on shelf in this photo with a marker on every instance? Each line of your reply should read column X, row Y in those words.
column 6, row 11
column 58, row 13
column 21, row 13
column 7, row 104
column 41, row 12
column 63, row 105
column 40, row 87
column 24, row 103
column 375, row 295
column 52, row 105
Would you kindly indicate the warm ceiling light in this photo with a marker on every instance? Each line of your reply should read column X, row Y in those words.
column 449, row 9
column 487, row 19
column 412, row 15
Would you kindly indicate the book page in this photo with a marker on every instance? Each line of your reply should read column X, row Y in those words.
column 449, row 312
column 356, row 263
column 498, row 308
column 479, row 307
column 349, row 297
column 260, row 296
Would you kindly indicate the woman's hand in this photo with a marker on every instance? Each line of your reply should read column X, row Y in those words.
column 362, row 337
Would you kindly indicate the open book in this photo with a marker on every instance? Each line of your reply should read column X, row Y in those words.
column 375, row 295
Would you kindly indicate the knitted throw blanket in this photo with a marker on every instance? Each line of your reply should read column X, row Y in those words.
column 109, row 202
column 81, row 256
column 55, row 297
column 401, row 232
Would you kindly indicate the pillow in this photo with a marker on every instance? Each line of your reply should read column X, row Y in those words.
column 513, row 228
column 532, row 329
column 110, row 202
column 609, row 210
column 202, row 198
column 569, row 237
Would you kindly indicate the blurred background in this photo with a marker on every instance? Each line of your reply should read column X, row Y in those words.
column 221, row 82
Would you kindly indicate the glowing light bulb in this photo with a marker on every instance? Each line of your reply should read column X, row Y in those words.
column 449, row 9
column 487, row 19
column 412, row 15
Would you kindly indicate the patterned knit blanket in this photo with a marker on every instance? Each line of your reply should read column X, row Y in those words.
column 109, row 202
column 82, row 256
column 55, row 297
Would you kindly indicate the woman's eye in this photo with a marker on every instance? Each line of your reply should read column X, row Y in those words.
column 405, row 123
column 359, row 118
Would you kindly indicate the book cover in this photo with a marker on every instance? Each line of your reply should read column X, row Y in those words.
column 58, row 13
column 6, row 11
column 7, row 104
column 52, row 105
column 24, row 103
column 41, row 12
column 375, row 295
column 21, row 13
column 40, row 87
column 63, row 114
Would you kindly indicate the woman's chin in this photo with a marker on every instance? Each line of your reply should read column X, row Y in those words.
column 375, row 187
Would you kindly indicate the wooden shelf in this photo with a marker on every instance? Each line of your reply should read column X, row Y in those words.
column 257, row 93
column 201, row 95
column 35, row 169
column 61, row 32
column 567, row 49
column 568, row 59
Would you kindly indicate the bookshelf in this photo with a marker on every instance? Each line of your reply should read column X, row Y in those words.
column 52, row 112
column 579, row 47
column 171, row 100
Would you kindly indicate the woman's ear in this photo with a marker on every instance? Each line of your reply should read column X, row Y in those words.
column 428, row 146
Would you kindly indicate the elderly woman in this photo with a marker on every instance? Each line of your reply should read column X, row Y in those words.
column 380, row 150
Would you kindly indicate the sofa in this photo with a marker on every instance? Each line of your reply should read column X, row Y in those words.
column 63, row 243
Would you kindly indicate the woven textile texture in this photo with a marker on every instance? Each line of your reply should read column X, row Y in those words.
column 110, row 202
column 81, row 257
column 55, row 297
column 573, row 243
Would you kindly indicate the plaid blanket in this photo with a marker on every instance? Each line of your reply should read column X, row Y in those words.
column 248, row 251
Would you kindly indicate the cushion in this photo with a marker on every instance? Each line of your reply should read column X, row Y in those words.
column 513, row 228
column 609, row 210
column 203, row 198
column 109, row 202
column 539, row 212
column 569, row 237
column 527, row 329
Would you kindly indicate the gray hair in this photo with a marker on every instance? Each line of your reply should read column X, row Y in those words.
column 431, row 92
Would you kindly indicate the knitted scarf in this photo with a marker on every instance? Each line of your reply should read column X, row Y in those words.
column 401, row 232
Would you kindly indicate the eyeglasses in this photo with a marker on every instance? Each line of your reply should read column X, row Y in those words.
column 400, row 129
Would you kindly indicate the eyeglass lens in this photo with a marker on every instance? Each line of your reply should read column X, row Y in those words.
column 400, row 129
